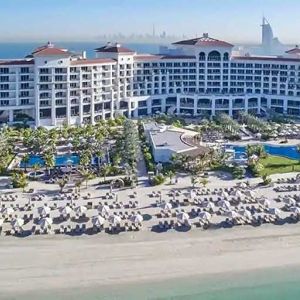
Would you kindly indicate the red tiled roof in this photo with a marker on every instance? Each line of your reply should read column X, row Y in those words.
column 266, row 58
column 147, row 57
column 92, row 61
column 49, row 50
column 16, row 62
column 295, row 50
column 159, row 57
column 114, row 49
column 205, row 41
column 178, row 57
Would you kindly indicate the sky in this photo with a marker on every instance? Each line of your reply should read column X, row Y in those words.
column 82, row 20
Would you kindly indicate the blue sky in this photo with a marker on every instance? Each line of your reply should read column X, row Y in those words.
column 233, row 20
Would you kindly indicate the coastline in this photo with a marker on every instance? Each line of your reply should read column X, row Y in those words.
column 106, row 263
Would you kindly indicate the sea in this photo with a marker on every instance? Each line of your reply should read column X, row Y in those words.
column 20, row 50
column 270, row 284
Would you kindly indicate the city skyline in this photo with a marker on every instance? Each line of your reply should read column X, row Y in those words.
column 89, row 20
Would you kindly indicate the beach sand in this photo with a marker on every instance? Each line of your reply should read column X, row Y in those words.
column 46, row 263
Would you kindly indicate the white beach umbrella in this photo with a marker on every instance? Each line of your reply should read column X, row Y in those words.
column 289, row 201
column 264, row 202
column 274, row 211
column 232, row 214
column 237, row 193
column 136, row 219
column 114, row 220
column 243, row 185
column 80, row 210
column 246, row 213
column 17, row 223
column 250, row 194
column 166, row 206
column 204, row 215
column 46, row 222
column 209, row 205
column 7, row 211
column 103, row 210
column 43, row 210
column 182, row 217
column 1, row 222
column 295, row 210
column 98, row 221
column 224, row 204
column 193, row 194
column 223, row 194
column 65, row 210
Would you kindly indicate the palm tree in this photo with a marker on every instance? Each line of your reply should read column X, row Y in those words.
column 170, row 174
column 87, row 175
column 49, row 161
column 78, row 184
column 204, row 182
column 62, row 183
column 194, row 180
column 105, row 170
column 36, row 168
column 25, row 160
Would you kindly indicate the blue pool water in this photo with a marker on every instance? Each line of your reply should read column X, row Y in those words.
column 285, row 151
column 60, row 160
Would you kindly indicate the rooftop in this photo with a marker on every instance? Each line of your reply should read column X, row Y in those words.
column 204, row 41
column 16, row 62
column 114, row 48
column 50, row 50
column 92, row 61
column 295, row 50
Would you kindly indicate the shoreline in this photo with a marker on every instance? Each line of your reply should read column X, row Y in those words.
column 111, row 262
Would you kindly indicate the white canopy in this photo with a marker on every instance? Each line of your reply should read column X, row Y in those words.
column 98, row 221
column 46, row 222
column 289, row 201
column 182, row 217
column 232, row 214
column 209, row 205
column 7, row 211
column 243, row 185
column 43, row 210
column 1, row 222
column 264, row 202
column 103, row 209
column 250, row 194
column 65, row 210
column 295, row 209
column 17, row 223
column 205, row 215
column 224, row 204
column 114, row 219
column 136, row 219
column 80, row 209
column 246, row 213
column 274, row 211
column 237, row 193
column 166, row 206
column 223, row 194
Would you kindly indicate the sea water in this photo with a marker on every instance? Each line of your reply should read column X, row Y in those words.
column 271, row 284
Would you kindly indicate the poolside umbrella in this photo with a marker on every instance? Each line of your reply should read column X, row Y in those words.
column 166, row 206
column 114, row 220
column 43, row 210
column 103, row 210
column 17, row 223
column 224, row 204
column 274, row 211
column 289, row 201
column 264, row 202
column 136, row 219
column 80, row 210
column 98, row 221
column 46, row 222
column 182, row 217
column 232, row 214
column 65, row 210
column 7, row 211
column 209, row 205
column 243, row 185
column 246, row 213
column 295, row 210
column 237, row 193
column 204, row 215
column 250, row 194
column 224, row 194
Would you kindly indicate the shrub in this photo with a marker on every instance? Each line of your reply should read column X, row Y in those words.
column 157, row 180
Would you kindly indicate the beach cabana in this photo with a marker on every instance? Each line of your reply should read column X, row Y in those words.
column 46, row 223
column 103, row 210
column 136, row 219
column 17, row 223
column 232, row 214
column 98, row 221
column 223, row 194
column 114, row 220
column 80, row 210
column 65, row 210
column 205, row 216
column 43, row 210
column 224, row 204
column 274, row 211
column 182, row 217
column 289, row 201
column 208, row 205
column 250, row 194
column 245, row 213
column 7, row 211
column 295, row 210
column 264, row 202
column 166, row 206
column 237, row 193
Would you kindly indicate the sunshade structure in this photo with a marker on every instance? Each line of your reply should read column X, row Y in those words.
column 208, row 205
column 224, row 204
column 182, row 217
column 1, row 222
column 224, row 194
column 46, row 223
column 289, row 201
column 65, row 210
column 136, row 219
column 245, row 213
column 232, row 214
column 43, row 210
column 98, row 221
column 243, row 185
column 17, row 223
column 166, row 206
column 204, row 216
column 237, row 193
column 264, row 202
column 7, row 211
column 80, row 210
column 114, row 220
column 103, row 210
column 295, row 210
column 250, row 194
column 275, row 211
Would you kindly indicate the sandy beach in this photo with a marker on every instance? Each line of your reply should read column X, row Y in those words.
column 53, row 263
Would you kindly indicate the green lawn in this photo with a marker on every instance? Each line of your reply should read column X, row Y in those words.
column 278, row 164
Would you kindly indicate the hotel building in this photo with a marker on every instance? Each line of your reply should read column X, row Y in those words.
column 54, row 86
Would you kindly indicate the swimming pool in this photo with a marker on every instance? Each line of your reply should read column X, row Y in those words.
column 285, row 151
column 60, row 160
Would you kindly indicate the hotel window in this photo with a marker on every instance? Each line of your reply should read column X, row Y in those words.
column 24, row 101
column 24, row 70
column 4, row 70
column 4, row 87
column 4, row 79
column 24, row 94
column 4, row 102
column 24, row 78
column 4, row 95
column 24, row 86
